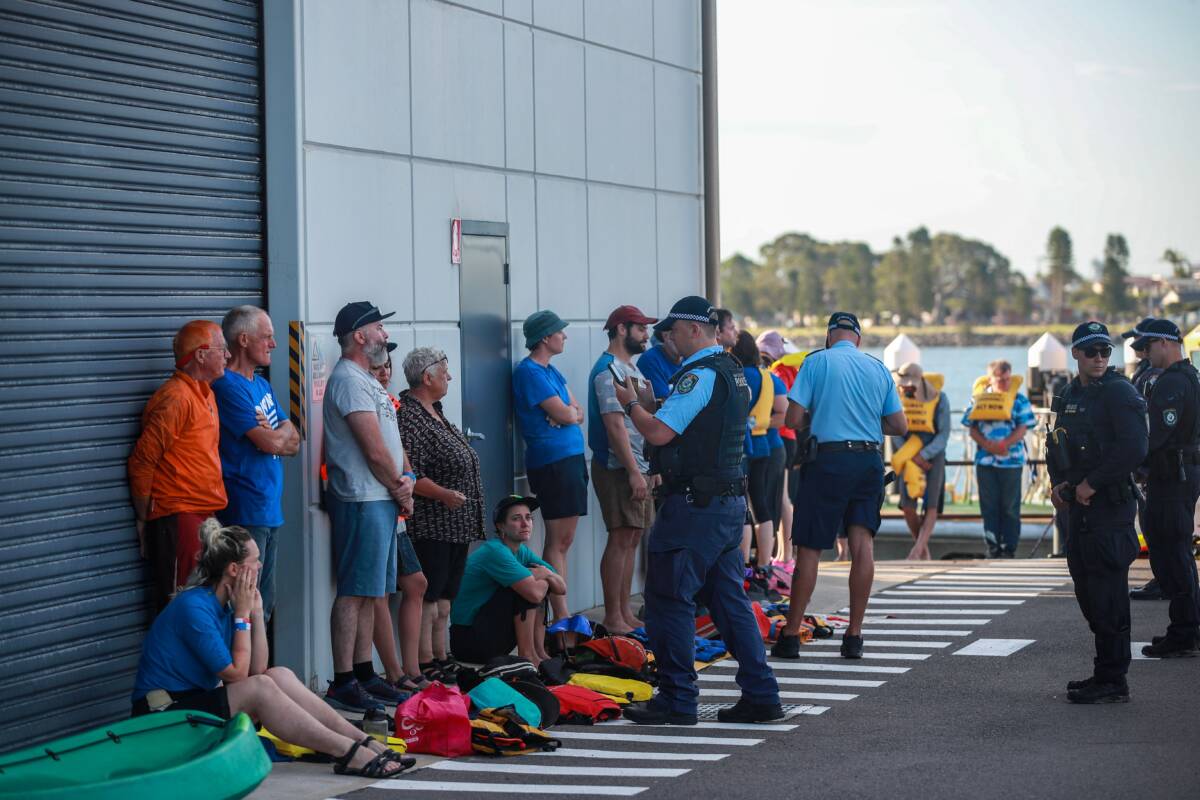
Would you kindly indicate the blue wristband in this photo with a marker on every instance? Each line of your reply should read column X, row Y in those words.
column 411, row 475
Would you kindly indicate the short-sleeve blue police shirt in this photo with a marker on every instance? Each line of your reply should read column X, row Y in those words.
column 847, row 392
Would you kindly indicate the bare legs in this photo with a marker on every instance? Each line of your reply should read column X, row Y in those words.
column 764, row 536
column 351, row 625
column 290, row 711
column 384, row 636
column 862, row 574
column 560, row 535
column 528, row 631
column 412, row 590
column 616, row 576
column 921, row 529
column 804, row 580
column 434, row 619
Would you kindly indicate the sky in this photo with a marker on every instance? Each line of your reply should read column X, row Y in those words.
column 856, row 120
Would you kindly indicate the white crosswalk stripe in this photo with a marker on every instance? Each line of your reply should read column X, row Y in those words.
column 716, row 677
column 546, row 769
column 808, row 667
column 776, row 727
column 507, row 788
column 875, row 643
column 708, row 692
column 650, row 738
column 962, row 612
column 884, row 621
column 630, row 755
column 877, row 601
column 918, row 592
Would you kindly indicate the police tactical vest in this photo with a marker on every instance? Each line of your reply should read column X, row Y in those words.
column 1144, row 377
column 1076, row 418
column 713, row 445
column 1185, row 431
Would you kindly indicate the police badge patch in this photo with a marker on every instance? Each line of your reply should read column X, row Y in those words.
column 1095, row 326
column 1170, row 417
column 687, row 383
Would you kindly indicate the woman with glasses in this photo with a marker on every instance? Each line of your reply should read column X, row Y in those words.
column 448, row 499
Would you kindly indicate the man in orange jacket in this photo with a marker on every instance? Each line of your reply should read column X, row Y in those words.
column 175, row 469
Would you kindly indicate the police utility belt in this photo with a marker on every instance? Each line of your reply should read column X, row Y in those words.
column 700, row 490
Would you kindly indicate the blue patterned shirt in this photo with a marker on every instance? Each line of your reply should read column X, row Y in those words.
column 1022, row 414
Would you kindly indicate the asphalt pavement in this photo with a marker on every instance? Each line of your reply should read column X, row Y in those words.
column 927, row 713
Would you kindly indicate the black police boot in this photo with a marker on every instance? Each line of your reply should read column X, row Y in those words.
column 1096, row 693
column 652, row 713
column 1075, row 686
column 1166, row 647
column 745, row 711
column 786, row 647
column 852, row 646
column 1147, row 591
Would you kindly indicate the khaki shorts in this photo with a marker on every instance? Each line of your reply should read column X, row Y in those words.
column 617, row 505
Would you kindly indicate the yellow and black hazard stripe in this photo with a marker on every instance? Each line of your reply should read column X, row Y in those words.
column 296, row 361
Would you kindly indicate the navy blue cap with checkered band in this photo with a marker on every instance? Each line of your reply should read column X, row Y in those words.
column 1090, row 332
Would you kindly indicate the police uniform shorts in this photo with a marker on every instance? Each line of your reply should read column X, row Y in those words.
column 617, row 505
column 561, row 487
column 935, row 487
column 838, row 490
column 364, row 538
column 443, row 564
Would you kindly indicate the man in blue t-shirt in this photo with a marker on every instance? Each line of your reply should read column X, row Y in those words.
column 253, row 437
column 550, row 419
column 660, row 363
column 502, row 587
column 999, row 463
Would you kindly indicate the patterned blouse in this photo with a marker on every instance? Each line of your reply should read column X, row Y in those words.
column 439, row 451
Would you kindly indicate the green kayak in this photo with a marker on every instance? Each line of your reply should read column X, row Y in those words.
column 183, row 755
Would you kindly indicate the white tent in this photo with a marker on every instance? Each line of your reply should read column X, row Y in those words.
column 901, row 351
column 1048, row 354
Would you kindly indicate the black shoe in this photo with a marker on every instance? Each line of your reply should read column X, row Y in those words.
column 745, row 711
column 786, row 647
column 852, row 646
column 1075, row 686
column 652, row 714
column 1166, row 647
column 1008, row 554
column 1096, row 692
column 1148, row 591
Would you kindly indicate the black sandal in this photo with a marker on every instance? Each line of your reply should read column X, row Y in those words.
column 399, row 758
column 409, row 683
column 375, row 768
column 432, row 671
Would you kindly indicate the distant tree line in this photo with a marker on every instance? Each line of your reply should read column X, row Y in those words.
column 922, row 279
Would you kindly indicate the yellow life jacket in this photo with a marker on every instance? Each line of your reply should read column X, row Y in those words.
column 792, row 359
column 922, row 414
column 989, row 406
column 621, row 690
column 904, row 466
column 761, row 412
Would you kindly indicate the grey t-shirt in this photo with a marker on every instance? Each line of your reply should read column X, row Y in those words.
column 351, row 388
column 606, row 400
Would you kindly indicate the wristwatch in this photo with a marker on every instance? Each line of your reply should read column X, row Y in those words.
column 629, row 407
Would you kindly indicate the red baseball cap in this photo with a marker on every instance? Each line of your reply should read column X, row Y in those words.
column 628, row 315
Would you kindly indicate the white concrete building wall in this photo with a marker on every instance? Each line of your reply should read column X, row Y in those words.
column 577, row 122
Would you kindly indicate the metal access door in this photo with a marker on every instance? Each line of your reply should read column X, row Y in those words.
column 487, row 355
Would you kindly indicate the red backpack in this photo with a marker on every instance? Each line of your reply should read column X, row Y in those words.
column 618, row 656
column 581, row 706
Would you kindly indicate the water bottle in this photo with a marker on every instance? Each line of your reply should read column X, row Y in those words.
column 376, row 725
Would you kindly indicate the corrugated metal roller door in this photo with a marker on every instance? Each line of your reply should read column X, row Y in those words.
column 131, row 200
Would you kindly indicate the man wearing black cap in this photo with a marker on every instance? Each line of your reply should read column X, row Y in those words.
column 368, row 489
column 1173, row 485
column 1100, row 439
column 848, row 400
column 694, row 547
column 1143, row 378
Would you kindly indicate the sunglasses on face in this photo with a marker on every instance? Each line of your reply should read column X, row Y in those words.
column 1103, row 350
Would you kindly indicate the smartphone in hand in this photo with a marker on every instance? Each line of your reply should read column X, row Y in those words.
column 617, row 377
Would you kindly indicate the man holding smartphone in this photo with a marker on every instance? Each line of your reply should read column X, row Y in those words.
column 619, row 462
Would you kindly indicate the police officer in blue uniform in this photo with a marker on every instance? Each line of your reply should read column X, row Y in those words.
column 1173, row 485
column 848, row 400
column 1099, row 440
column 1143, row 378
column 694, row 547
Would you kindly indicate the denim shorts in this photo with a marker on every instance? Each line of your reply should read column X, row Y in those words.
column 406, row 554
column 365, row 538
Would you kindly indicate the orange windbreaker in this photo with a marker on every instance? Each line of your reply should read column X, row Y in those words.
column 175, row 461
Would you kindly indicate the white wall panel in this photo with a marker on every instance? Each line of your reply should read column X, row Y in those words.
column 458, row 84
column 521, row 10
column 355, row 62
column 623, row 24
column 558, row 103
column 441, row 193
column 621, row 246
column 522, row 246
column 564, row 16
column 620, row 118
column 677, row 129
column 490, row 6
column 518, row 96
column 680, row 248
column 359, row 215
column 562, row 234
column 677, row 32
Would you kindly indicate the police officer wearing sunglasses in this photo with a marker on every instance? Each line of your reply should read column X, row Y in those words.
column 1173, row 484
column 1099, row 440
